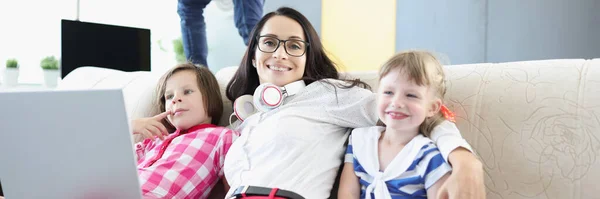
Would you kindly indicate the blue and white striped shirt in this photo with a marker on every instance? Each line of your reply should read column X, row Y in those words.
column 426, row 169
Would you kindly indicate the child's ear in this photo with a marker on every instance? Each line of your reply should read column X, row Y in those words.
column 436, row 105
column 254, row 63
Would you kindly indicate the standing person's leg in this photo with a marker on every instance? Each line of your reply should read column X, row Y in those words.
column 246, row 14
column 193, row 30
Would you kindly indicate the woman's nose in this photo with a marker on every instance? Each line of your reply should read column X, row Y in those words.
column 280, row 52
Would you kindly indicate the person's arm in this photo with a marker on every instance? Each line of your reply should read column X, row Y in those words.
column 435, row 170
column 349, row 185
column 144, row 131
column 227, row 140
column 433, row 191
column 141, row 148
column 349, row 182
column 447, row 138
column 177, row 166
column 466, row 180
column 150, row 127
column 350, row 107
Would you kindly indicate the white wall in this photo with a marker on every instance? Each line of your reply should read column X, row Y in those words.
column 473, row 31
column 31, row 29
column 226, row 47
column 543, row 29
column 309, row 8
column 452, row 28
column 29, row 32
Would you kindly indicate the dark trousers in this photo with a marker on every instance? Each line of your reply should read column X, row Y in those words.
column 246, row 15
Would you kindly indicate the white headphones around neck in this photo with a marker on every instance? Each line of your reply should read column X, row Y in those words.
column 266, row 97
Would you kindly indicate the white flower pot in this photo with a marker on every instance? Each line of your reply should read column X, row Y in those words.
column 51, row 78
column 10, row 77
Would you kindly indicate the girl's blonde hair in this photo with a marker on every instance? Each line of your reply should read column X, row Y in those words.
column 208, row 85
column 424, row 69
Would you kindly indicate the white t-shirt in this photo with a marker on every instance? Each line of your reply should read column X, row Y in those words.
column 300, row 145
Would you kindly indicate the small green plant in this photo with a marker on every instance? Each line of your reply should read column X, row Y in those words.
column 49, row 63
column 178, row 48
column 12, row 63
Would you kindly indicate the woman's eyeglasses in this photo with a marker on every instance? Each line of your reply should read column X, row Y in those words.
column 293, row 47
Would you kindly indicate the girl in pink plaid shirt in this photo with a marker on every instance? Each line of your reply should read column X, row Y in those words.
column 183, row 153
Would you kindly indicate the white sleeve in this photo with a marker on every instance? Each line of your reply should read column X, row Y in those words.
column 447, row 138
column 353, row 108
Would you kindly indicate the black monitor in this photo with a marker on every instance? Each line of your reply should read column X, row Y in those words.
column 106, row 46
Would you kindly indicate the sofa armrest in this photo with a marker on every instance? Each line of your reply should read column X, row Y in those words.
column 86, row 77
column 138, row 87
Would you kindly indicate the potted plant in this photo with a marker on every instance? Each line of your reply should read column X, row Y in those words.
column 178, row 48
column 51, row 72
column 11, row 73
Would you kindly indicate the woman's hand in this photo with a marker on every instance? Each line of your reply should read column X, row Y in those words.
column 466, row 180
column 150, row 127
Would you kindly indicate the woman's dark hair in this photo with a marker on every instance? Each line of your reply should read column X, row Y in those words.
column 318, row 64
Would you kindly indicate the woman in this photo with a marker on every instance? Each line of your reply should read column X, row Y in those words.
column 299, row 145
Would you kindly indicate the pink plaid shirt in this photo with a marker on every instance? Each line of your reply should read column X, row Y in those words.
column 183, row 165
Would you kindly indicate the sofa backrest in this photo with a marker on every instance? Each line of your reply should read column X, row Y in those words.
column 535, row 125
column 139, row 88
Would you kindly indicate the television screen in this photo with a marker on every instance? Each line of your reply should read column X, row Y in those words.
column 105, row 46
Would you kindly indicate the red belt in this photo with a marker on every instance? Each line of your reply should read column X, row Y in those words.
column 264, row 193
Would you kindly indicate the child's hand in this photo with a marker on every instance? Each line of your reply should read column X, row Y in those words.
column 151, row 127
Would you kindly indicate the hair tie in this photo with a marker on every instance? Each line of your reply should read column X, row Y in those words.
column 449, row 115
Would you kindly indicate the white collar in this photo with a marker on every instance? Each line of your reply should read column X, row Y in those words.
column 365, row 148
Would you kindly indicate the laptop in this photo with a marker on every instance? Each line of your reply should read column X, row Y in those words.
column 66, row 144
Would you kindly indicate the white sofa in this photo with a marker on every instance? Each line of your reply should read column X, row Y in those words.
column 535, row 125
